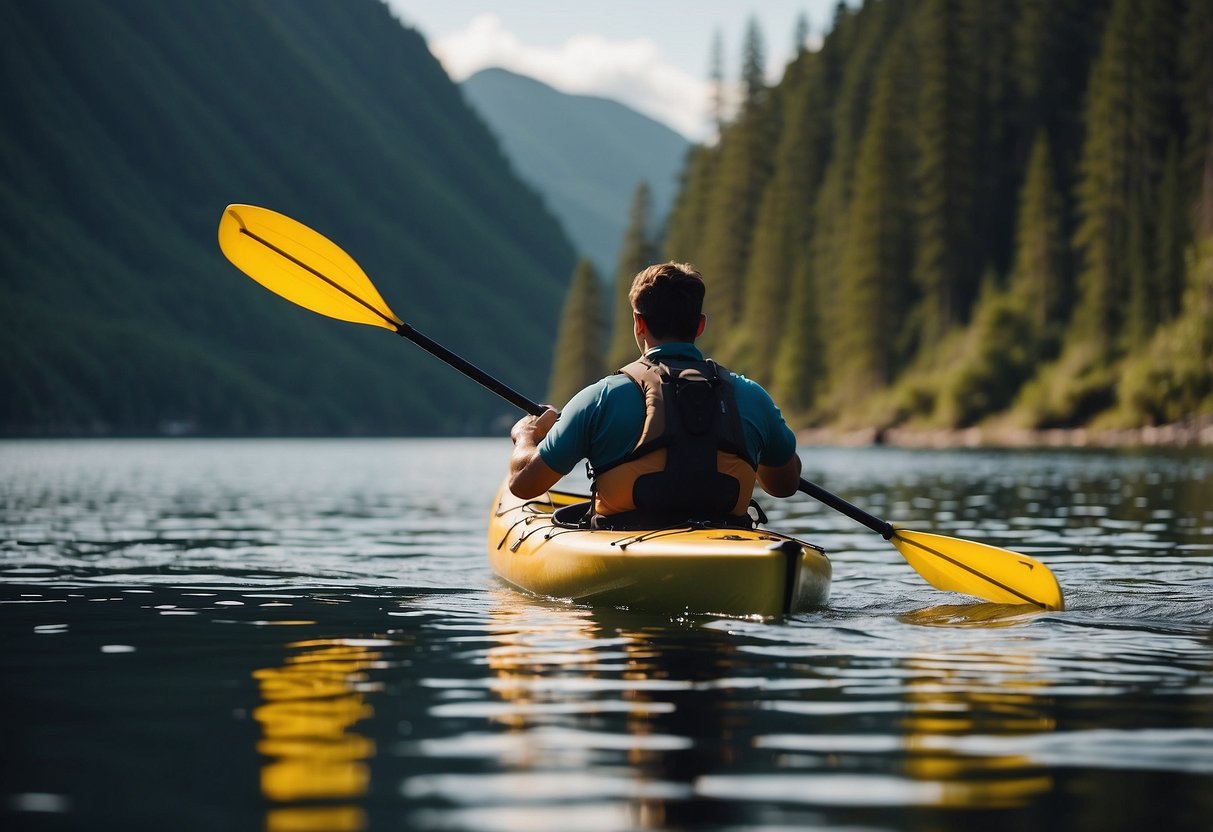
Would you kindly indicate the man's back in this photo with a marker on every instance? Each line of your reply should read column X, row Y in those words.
column 604, row 422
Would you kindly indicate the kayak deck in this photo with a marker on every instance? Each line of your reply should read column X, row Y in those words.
column 685, row 569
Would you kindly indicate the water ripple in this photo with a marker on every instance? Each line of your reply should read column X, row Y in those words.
column 316, row 624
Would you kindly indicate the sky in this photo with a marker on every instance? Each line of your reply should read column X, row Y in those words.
column 652, row 55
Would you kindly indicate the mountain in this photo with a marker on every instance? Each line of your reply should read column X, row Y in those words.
column 584, row 154
column 130, row 125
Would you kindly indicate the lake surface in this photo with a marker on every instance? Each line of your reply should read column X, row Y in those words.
column 305, row 635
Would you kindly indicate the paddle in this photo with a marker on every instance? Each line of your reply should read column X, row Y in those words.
column 959, row 565
column 308, row 269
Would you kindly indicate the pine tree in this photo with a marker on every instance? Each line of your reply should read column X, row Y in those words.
column 800, row 39
column 743, row 167
column 731, row 208
column 784, row 224
column 579, row 339
column 1103, row 191
column 1139, row 311
column 716, row 85
column 1172, row 238
column 1038, row 273
column 875, row 258
column 753, row 68
column 800, row 362
column 688, row 216
column 799, row 368
column 861, row 39
column 1172, row 378
column 1129, row 118
column 987, row 47
column 1033, row 24
column 638, row 252
column 767, row 280
column 945, row 269
column 1054, row 43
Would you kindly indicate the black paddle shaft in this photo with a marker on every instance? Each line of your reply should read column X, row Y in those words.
column 881, row 527
column 470, row 370
column 520, row 401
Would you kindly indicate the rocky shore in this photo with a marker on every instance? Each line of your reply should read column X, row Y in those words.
column 1198, row 433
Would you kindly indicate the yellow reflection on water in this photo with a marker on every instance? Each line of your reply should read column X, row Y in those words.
column 312, row 704
column 984, row 614
column 971, row 694
column 529, row 644
column 556, row 663
column 316, row 819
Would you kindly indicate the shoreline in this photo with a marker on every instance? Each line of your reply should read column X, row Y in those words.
column 1198, row 434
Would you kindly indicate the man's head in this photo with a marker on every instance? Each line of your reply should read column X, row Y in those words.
column 668, row 297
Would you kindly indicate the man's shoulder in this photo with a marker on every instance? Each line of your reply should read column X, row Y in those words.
column 752, row 397
column 608, row 384
column 742, row 382
column 597, row 393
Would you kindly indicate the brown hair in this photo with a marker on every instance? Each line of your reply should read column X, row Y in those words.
column 669, row 296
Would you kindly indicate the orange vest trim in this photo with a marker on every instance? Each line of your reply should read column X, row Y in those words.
column 615, row 486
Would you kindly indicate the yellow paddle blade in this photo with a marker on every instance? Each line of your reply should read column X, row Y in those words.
column 978, row 569
column 306, row 268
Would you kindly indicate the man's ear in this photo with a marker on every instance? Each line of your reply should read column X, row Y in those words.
column 703, row 322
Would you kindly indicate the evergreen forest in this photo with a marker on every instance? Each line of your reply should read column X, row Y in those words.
column 960, row 212
column 129, row 125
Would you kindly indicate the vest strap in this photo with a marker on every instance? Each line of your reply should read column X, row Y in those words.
column 690, row 460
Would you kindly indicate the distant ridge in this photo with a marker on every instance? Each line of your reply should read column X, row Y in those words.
column 584, row 154
column 130, row 125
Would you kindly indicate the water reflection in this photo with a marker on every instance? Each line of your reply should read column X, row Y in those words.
column 598, row 718
column 318, row 761
column 581, row 695
column 983, row 614
column 975, row 694
column 605, row 720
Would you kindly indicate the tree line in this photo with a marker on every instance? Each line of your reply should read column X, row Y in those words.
column 952, row 212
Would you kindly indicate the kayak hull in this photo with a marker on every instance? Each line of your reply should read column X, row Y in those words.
column 724, row 571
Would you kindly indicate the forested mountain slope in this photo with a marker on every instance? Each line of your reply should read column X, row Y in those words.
column 129, row 126
column 958, row 210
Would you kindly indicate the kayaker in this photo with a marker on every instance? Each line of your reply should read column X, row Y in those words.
column 670, row 437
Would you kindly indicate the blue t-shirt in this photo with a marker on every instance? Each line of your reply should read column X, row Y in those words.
column 602, row 423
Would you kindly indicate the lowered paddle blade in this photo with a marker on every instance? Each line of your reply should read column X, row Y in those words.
column 306, row 268
column 978, row 569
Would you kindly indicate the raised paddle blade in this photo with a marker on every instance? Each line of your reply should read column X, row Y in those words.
column 305, row 267
column 978, row 569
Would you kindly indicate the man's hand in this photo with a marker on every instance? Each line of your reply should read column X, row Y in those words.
column 530, row 476
column 530, row 430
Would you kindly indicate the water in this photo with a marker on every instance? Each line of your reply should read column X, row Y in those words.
column 304, row 635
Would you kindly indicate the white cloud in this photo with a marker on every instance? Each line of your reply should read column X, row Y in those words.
column 630, row 71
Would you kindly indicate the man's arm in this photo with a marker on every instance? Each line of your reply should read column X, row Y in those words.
column 777, row 442
column 530, row 476
column 781, row 480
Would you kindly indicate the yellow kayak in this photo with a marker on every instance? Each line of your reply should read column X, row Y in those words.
column 725, row 571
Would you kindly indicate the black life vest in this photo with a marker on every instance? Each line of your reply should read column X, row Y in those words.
column 690, row 462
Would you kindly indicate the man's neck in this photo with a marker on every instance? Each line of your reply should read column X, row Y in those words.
column 653, row 343
column 661, row 344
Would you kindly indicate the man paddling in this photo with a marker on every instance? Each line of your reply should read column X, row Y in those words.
column 670, row 437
